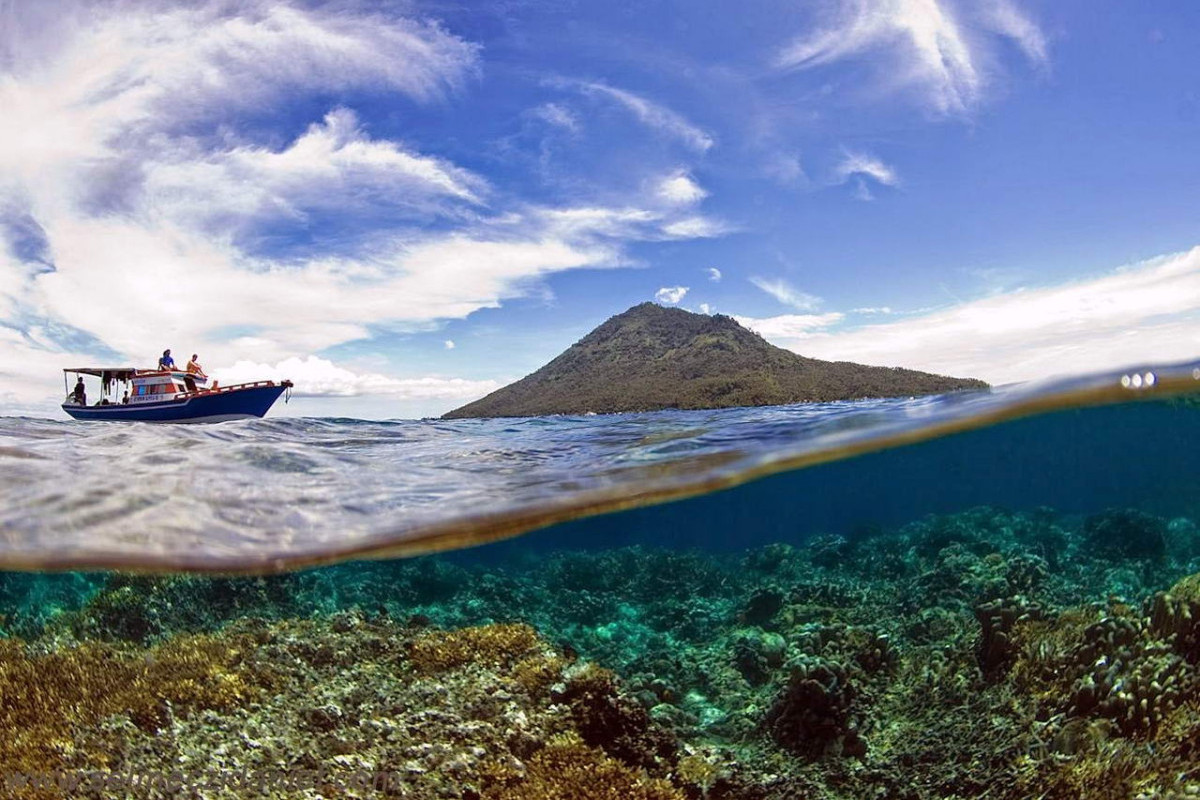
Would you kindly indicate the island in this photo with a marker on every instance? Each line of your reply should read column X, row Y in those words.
column 652, row 357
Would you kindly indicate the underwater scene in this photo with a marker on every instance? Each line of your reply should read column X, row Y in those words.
column 992, row 595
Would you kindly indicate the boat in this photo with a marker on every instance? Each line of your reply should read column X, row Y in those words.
column 168, row 395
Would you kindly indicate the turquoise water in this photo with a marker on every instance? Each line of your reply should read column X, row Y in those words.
column 802, row 601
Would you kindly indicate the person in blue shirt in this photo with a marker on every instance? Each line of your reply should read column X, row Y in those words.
column 166, row 362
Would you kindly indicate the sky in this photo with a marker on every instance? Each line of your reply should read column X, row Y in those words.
column 402, row 206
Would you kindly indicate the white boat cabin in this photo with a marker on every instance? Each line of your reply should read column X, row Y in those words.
column 154, row 387
column 126, row 385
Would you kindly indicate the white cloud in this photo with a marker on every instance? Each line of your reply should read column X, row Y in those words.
column 670, row 295
column 332, row 168
column 600, row 221
column 862, row 164
column 789, row 326
column 93, row 82
column 1144, row 313
column 705, row 308
column 872, row 310
column 199, row 291
column 714, row 274
column 448, row 344
column 638, row 224
column 558, row 116
column 318, row 377
column 930, row 44
column 695, row 228
column 649, row 113
column 1007, row 19
column 681, row 189
column 787, row 294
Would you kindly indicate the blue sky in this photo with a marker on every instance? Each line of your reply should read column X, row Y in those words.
column 402, row 206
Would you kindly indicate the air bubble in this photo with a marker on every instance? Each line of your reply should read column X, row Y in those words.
column 1136, row 380
column 1150, row 379
column 1125, row 381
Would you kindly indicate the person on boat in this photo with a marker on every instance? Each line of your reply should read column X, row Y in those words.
column 80, row 393
column 194, row 368
column 125, row 399
column 166, row 362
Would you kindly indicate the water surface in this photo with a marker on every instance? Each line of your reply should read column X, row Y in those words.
column 265, row 495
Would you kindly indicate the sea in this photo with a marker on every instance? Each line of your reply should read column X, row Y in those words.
column 981, row 594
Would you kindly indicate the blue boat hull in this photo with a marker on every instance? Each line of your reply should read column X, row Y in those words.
column 252, row 401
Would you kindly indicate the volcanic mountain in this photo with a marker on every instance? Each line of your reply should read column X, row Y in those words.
column 651, row 357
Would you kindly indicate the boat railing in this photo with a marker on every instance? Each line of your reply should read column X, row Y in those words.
column 232, row 388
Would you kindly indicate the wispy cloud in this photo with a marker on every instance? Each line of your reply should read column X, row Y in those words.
column 787, row 294
column 927, row 42
column 785, row 168
column 788, row 327
column 629, row 223
column 670, row 295
column 863, row 164
column 862, row 191
column 1006, row 18
column 653, row 115
column 714, row 274
column 558, row 116
column 695, row 228
column 1146, row 312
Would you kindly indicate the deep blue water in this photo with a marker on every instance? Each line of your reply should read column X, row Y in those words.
column 1081, row 461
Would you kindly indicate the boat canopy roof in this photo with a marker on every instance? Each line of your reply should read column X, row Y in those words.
column 107, row 373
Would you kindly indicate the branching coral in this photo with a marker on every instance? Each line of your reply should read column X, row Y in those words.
column 1175, row 615
column 997, row 620
column 489, row 645
column 568, row 769
column 617, row 724
column 43, row 698
column 811, row 716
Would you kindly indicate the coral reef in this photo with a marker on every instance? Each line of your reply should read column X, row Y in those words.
column 50, row 696
column 567, row 769
column 1126, row 533
column 987, row 653
column 812, row 714
column 454, row 714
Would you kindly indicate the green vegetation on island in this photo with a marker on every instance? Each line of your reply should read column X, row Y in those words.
column 651, row 358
